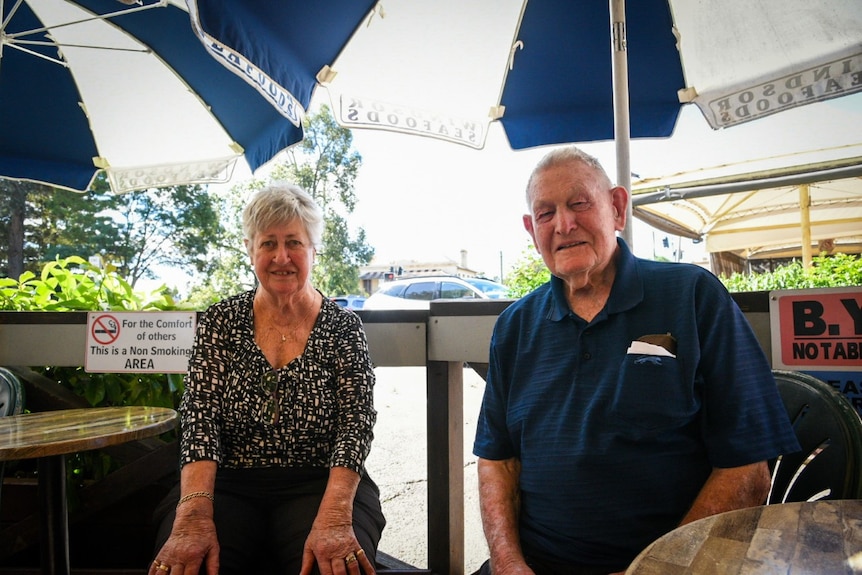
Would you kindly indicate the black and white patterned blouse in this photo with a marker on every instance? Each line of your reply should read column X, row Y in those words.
column 325, row 396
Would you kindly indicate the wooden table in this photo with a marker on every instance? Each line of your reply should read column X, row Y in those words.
column 823, row 537
column 49, row 435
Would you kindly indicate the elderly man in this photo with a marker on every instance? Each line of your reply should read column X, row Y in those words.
column 624, row 397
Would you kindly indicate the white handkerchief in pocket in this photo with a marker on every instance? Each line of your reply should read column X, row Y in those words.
column 644, row 348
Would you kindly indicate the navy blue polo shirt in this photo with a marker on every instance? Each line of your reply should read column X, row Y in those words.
column 615, row 446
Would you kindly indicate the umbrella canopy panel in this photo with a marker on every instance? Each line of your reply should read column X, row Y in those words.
column 542, row 68
column 278, row 48
column 745, row 60
column 92, row 84
column 560, row 86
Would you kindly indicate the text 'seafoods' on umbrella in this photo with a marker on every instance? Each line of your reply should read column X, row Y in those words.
column 127, row 87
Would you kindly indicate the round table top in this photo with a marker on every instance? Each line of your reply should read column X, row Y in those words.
column 71, row 430
column 822, row 537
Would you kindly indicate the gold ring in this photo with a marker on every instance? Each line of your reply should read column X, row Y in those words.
column 163, row 567
column 350, row 558
column 360, row 552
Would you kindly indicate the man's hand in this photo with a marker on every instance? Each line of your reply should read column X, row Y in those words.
column 730, row 488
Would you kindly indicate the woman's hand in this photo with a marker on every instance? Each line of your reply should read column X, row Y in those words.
column 332, row 542
column 192, row 542
column 335, row 549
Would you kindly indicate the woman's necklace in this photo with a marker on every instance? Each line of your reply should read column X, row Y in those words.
column 292, row 329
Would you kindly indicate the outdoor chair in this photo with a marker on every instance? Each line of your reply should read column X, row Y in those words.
column 830, row 432
column 11, row 393
column 11, row 402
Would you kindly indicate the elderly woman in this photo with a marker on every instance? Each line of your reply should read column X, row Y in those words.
column 276, row 419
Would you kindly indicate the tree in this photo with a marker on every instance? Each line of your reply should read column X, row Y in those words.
column 230, row 271
column 134, row 232
column 38, row 222
column 173, row 227
column 325, row 165
column 13, row 201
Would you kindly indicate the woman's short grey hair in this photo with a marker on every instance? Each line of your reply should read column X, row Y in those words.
column 565, row 155
column 280, row 203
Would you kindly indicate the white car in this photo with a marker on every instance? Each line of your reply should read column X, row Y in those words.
column 417, row 292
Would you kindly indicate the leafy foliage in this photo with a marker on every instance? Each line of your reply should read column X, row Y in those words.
column 74, row 284
column 71, row 284
column 230, row 270
column 836, row 270
column 528, row 273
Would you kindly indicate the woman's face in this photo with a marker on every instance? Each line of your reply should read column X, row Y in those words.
column 282, row 256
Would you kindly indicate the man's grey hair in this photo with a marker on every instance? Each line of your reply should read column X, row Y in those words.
column 565, row 155
column 279, row 203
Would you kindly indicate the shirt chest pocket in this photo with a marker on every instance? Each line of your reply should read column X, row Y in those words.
column 651, row 395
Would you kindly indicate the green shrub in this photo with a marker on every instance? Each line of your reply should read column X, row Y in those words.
column 839, row 270
column 528, row 273
column 74, row 284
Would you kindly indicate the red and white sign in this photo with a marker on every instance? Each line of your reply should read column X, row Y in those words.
column 817, row 329
column 104, row 329
column 139, row 341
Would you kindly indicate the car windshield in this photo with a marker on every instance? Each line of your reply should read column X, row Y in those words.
column 394, row 290
column 491, row 289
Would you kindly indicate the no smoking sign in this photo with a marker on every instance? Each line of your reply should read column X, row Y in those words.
column 139, row 342
column 105, row 329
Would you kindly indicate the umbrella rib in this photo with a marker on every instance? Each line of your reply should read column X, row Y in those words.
column 160, row 4
column 93, row 46
column 38, row 55
column 11, row 13
column 13, row 40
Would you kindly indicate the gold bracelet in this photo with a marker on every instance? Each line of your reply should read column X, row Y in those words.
column 206, row 494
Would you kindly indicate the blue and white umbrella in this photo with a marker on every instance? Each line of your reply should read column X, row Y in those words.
column 555, row 71
column 544, row 69
column 128, row 88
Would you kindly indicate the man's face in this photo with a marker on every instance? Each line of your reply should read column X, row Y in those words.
column 573, row 219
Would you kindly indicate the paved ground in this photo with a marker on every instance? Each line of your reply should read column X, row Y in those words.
column 398, row 464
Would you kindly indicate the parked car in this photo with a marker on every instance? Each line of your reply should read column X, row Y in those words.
column 417, row 292
column 349, row 301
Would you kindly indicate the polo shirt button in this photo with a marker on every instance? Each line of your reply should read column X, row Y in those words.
column 586, row 355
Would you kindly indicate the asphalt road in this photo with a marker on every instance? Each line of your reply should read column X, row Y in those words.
column 398, row 464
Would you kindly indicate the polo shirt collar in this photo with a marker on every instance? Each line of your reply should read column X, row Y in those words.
column 626, row 292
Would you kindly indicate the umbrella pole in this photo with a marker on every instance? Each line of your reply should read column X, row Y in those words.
column 805, row 220
column 622, row 131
